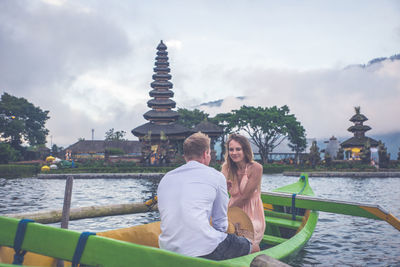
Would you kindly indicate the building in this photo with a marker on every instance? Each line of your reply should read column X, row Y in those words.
column 96, row 149
column 332, row 147
column 355, row 144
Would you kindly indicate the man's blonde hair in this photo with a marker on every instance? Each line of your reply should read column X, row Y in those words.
column 195, row 146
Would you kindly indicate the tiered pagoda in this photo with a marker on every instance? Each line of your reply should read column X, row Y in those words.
column 162, row 127
column 353, row 146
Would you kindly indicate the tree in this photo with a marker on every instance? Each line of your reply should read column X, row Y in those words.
column 115, row 136
column 384, row 157
column 297, row 139
column 268, row 127
column 190, row 118
column 224, row 121
column 398, row 155
column 21, row 121
column 314, row 156
column 7, row 153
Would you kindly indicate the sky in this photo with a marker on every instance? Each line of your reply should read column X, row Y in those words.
column 90, row 63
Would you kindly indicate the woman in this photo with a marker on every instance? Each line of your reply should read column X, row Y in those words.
column 243, row 176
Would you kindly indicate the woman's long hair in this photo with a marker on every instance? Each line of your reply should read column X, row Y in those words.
column 247, row 152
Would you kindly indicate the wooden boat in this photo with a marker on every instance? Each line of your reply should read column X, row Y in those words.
column 287, row 230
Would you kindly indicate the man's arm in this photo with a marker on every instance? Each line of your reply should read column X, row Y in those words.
column 220, row 206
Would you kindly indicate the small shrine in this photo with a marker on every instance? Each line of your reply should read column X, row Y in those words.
column 162, row 136
column 353, row 146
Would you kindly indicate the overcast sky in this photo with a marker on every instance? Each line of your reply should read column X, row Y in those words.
column 90, row 62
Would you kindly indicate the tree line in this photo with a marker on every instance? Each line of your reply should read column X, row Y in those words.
column 21, row 122
column 266, row 127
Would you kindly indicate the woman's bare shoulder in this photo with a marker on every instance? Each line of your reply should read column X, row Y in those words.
column 255, row 167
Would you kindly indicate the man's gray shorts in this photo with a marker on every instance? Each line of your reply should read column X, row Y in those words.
column 233, row 246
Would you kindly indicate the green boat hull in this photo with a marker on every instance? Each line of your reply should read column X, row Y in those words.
column 283, row 237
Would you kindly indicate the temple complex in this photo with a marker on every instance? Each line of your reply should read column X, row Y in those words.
column 355, row 144
column 162, row 136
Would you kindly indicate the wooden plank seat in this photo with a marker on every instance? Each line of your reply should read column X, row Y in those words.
column 273, row 240
column 270, row 213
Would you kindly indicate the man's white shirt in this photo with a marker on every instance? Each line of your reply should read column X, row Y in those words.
column 187, row 198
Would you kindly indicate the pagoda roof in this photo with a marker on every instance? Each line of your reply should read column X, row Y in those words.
column 156, row 129
column 161, row 103
column 163, row 84
column 154, row 114
column 208, row 128
column 358, row 117
column 161, row 69
column 161, row 46
column 359, row 142
column 161, row 93
column 359, row 128
column 161, row 76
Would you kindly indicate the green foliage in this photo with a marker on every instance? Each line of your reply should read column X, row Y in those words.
column 7, row 153
column 18, row 171
column 314, row 156
column 22, row 121
column 114, row 136
column 267, row 127
column 328, row 159
column 398, row 155
column 190, row 118
column 384, row 157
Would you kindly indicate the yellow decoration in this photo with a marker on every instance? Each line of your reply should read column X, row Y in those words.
column 356, row 150
column 50, row 159
column 45, row 168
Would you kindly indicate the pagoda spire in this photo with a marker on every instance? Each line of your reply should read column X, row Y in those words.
column 358, row 129
column 161, row 105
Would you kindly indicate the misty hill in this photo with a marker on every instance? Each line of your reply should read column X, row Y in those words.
column 218, row 103
column 375, row 61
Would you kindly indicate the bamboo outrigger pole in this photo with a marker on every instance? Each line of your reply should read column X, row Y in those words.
column 86, row 212
column 333, row 206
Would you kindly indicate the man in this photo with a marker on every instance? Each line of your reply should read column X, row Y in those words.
column 188, row 198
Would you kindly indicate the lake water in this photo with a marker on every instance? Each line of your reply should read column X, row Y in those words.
column 338, row 240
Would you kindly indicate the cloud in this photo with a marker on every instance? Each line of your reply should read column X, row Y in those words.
column 174, row 44
column 322, row 100
column 55, row 54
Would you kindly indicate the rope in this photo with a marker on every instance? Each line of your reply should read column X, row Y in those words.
column 294, row 209
column 19, row 238
column 151, row 202
column 80, row 247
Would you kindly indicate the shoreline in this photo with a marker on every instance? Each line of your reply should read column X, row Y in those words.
column 394, row 174
column 100, row 175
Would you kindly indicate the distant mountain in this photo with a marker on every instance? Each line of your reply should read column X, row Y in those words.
column 218, row 103
column 375, row 61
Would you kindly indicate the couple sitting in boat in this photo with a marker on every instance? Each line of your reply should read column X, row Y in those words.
column 193, row 194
